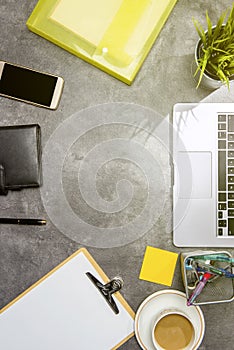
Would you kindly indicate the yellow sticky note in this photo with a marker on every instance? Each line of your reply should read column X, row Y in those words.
column 158, row 266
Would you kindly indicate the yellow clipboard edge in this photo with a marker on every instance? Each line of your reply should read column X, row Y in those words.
column 97, row 268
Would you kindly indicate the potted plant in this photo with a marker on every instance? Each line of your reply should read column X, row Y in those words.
column 214, row 53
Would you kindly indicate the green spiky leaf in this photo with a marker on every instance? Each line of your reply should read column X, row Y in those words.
column 217, row 48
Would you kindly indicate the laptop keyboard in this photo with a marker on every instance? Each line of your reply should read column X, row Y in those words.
column 225, row 208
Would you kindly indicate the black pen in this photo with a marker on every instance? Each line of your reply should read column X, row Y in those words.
column 22, row 221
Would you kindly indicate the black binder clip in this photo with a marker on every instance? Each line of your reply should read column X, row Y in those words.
column 108, row 289
column 3, row 189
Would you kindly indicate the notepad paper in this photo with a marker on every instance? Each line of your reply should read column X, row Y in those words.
column 113, row 35
column 65, row 310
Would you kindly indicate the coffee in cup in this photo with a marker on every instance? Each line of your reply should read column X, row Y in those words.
column 173, row 330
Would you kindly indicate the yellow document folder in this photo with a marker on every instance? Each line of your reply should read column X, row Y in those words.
column 113, row 35
column 65, row 310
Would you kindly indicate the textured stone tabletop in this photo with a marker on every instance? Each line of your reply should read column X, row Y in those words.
column 108, row 144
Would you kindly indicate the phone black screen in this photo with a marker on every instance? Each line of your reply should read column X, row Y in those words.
column 28, row 85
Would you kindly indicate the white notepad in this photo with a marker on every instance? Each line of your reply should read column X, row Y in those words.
column 65, row 310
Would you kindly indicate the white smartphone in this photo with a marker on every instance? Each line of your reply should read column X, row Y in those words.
column 28, row 85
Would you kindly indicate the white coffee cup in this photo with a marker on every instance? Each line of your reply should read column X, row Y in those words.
column 173, row 329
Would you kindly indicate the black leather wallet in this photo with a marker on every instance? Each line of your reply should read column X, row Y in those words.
column 20, row 157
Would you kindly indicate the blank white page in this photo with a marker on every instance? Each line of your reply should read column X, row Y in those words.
column 66, row 311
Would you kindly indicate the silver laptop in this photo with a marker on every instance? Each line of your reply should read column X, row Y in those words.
column 203, row 191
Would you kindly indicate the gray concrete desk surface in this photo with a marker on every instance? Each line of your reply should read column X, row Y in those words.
column 28, row 253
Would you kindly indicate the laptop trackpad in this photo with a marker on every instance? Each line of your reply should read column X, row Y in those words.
column 195, row 174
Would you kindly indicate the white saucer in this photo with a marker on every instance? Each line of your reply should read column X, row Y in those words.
column 152, row 306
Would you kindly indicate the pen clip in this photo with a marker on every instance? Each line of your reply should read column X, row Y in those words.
column 108, row 289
